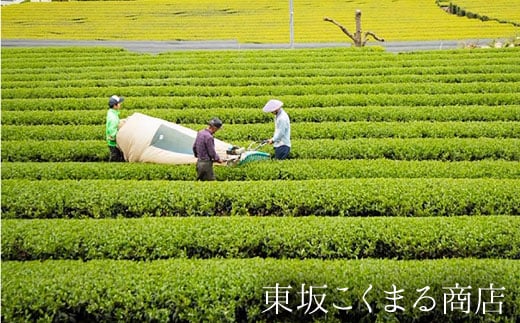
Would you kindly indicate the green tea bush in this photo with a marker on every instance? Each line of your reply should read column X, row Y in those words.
column 334, row 197
column 265, row 237
column 243, row 290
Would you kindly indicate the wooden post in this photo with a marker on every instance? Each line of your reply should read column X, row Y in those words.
column 357, row 41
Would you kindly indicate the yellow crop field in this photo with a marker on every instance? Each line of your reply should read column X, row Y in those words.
column 261, row 21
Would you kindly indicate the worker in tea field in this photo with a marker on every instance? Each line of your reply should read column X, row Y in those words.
column 281, row 139
column 112, row 127
column 204, row 150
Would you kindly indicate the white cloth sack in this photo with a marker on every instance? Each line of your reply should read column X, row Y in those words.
column 152, row 140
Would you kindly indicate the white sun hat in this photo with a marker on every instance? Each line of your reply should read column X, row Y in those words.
column 272, row 106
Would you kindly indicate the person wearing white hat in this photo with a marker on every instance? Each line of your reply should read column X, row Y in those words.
column 112, row 127
column 281, row 139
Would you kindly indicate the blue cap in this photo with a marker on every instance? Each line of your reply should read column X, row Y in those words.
column 114, row 99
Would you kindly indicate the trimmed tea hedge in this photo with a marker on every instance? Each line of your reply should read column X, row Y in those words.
column 444, row 149
column 244, row 290
column 256, row 102
column 176, row 91
column 293, row 169
column 248, row 237
column 170, row 78
column 251, row 116
column 341, row 197
column 302, row 130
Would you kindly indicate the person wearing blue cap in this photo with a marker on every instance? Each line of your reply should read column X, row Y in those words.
column 112, row 127
column 204, row 151
column 281, row 139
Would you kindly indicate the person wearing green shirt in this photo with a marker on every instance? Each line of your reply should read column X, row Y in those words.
column 112, row 127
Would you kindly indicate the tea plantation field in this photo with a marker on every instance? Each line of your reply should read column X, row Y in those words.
column 400, row 202
column 260, row 21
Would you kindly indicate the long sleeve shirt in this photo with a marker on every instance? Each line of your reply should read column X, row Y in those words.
column 204, row 146
column 112, row 126
column 282, row 130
